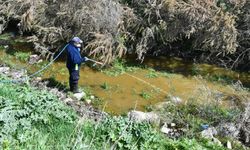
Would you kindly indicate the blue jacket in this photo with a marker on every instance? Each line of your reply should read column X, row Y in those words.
column 73, row 56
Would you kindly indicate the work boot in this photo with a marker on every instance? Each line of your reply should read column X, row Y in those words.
column 71, row 87
column 75, row 88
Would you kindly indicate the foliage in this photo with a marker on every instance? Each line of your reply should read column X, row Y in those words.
column 145, row 95
column 23, row 56
column 152, row 74
column 120, row 133
column 119, row 67
column 192, row 115
column 52, row 23
column 112, row 28
column 25, row 108
column 105, row 86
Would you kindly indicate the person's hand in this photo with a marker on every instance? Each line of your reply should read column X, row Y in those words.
column 86, row 58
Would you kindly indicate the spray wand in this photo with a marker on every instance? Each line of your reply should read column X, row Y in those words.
column 96, row 62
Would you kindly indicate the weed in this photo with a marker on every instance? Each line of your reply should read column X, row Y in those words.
column 149, row 108
column 23, row 56
column 25, row 108
column 195, row 70
column 152, row 74
column 145, row 95
column 220, row 78
column 105, row 86
column 119, row 67
column 5, row 36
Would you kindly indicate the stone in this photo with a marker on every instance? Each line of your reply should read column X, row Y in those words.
column 172, row 124
column 68, row 100
column 229, row 145
column 228, row 130
column 4, row 69
column 216, row 141
column 39, row 61
column 39, row 78
column 6, row 46
column 88, row 101
column 17, row 74
column 92, row 97
column 176, row 99
column 209, row 134
column 165, row 129
column 139, row 116
column 79, row 96
column 33, row 59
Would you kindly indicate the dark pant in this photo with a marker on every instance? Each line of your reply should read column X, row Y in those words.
column 73, row 79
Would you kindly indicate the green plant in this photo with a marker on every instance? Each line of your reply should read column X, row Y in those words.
column 195, row 70
column 145, row 95
column 5, row 36
column 105, row 86
column 23, row 56
column 152, row 74
column 119, row 67
column 26, row 108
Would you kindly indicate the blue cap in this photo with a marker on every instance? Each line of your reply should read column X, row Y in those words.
column 77, row 40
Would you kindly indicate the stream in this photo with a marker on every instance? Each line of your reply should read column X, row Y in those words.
column 142, row 87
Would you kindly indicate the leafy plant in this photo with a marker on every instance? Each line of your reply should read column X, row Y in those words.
column 23, row 56
column 119, row 67
column 105, row 86
column 145, row 95
column 152, row 74
column 25, row 108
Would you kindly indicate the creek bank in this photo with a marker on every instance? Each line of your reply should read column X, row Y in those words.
column 83, row 108
column 170, row 129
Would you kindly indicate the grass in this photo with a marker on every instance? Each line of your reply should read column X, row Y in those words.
column 119, row 67
column 105, row 86
column 35, row 119
column 22, row 56
column 192, row 115
column 5, row 36
column 152, row 74
column 145, row 95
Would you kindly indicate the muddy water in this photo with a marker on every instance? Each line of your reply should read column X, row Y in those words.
column 135, row 89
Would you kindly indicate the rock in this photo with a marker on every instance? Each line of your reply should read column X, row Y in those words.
column 88, row 101
column 209, row 134
column 216, row 141
column 92, row 97
column 79, row 96
column 172, row 124
column 6, row 46
column 17, row 74
column 171, row 130
column 33, row 59
column 139, row 116
column 176, row 99
column 229, row 145
column 228, row 130
column 244, row 126
column 39, row 78
column 4, row 69
column 68, row 100
column 165, row 129
column 39, row 61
